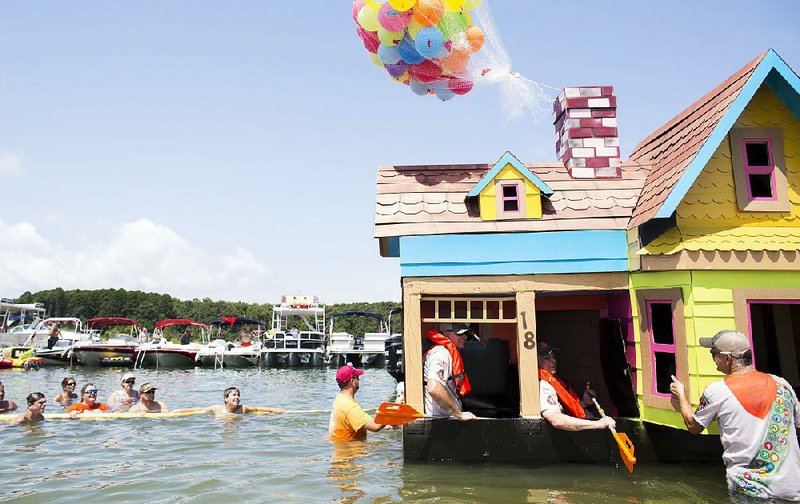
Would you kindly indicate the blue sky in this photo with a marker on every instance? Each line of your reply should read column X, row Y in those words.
column 229, row 149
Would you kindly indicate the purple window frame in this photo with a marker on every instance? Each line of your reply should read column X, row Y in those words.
column 759, row 170
column 516, row 198
column 660, row 347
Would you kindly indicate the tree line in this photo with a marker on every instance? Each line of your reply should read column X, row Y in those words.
column 147, row 308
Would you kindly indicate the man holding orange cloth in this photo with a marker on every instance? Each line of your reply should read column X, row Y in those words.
column 446, row 382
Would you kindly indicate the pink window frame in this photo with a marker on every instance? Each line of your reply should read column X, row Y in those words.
column 502, row 198
column 750, row 317
column 660, row 347
column 760, row 170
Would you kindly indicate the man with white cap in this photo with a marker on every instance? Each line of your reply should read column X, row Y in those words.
column 446, row 382
column 122, row 399
column 349, row 422
column 757, row 414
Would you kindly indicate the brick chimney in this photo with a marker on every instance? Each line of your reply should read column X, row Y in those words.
column 587, row 141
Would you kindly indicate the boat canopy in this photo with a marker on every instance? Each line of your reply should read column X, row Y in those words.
column 172, row 322
column 101, row 322
column 232, row 321
column 355, row 314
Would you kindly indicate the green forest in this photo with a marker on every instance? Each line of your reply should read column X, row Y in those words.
column 147, row 308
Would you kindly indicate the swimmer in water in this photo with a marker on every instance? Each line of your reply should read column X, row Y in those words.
column 35, row 412
column 232, row 407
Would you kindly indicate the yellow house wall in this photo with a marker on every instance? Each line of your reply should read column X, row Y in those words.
column 711, row 201
column 708, row 308
column 488, row 197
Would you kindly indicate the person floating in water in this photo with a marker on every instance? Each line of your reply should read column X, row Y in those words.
column 231, row 407
column 67, row 395
column 5, row 404
column 35, row 412
column 758, row 415
column 147, row 401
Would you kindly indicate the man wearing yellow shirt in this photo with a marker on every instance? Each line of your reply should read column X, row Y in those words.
column 349, row 422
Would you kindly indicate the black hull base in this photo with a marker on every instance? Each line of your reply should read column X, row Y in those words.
column 536, row 442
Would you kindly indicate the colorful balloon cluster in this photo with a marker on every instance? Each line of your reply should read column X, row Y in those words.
column 425, row 44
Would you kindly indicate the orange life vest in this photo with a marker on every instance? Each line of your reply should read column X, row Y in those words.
column 566, row 396
column 457, row 373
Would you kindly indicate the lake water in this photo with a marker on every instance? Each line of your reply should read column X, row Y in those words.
column 285, row 458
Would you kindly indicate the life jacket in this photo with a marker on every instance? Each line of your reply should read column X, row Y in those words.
column 566, row 396
column 457, row 373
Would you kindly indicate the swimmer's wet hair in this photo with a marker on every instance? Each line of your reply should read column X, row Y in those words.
column 32, row 398
column 229, row 390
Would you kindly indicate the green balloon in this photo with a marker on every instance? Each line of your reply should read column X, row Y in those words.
column 472, row 4
column 453, row 24
column 368, row 17
column 390, row 38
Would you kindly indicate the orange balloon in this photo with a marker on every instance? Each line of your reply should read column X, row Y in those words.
column 475, row 38
column 428, row 12
column 457, row 60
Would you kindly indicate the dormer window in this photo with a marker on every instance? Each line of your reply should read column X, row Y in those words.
column 759, row 169
column 510, row 199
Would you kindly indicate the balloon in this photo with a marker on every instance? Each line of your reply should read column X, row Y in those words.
column 472, row 4
column 397, row 69
column 389, row 38
column 357, row 4
column 408, row 53
column 427, row 71
column 457, row 60
column 418, row 87
column 370, row 39
column 403, row 78
column 375, row 59
column 460, row 86
column 414, row 27
column 475, row 38
column 389, row 54
column 453, row 24
column 402, row 5
column 392, row 19
column 443, row 93
column 453, row 5
column 428, row 12
column 368, row 17
column 430, row 42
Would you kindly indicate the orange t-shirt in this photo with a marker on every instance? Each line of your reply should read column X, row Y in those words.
column 348, row 420
column 83, row 407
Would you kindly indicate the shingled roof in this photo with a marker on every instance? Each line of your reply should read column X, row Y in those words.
column 432, row 199
column 672, row 148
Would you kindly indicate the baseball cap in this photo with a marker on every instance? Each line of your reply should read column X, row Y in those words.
column 128, row 376
column 147, row 387
column 728, row 342
column 545, row 349
column 466, row 329
column 347, row 373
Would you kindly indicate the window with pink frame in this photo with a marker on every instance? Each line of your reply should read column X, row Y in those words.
column 759, row 168
column 509, row 198
column 663, row 359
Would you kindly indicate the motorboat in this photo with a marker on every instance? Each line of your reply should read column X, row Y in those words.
column 244, row 352
column 291, row 346
column 119, row 350
column 367, row 350
column 160, row 353
column 57, row 352
column 18, row 321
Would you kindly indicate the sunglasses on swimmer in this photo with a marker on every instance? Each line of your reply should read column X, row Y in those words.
column 129, row 380
column 91, row 391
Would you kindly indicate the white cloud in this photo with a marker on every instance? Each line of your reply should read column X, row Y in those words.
column 140, row 255
column 11, row 163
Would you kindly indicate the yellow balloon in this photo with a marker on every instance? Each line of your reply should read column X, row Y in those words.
column 472, row 4
column 468, row 17
column 375, row 59
column 414, row 27
column 402, row 78
column 389, row 38
column 402, row 5
column 453, row 5
column 368, row 17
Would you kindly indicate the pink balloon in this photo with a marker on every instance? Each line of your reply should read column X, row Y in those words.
column 392, row 19
column 427, row 71
column 459, row 86
column 370, row 39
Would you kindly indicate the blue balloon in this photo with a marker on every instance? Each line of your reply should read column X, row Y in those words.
column 430, row 42
column 389, row 54
column 443, row 93
column 418, row 87
column 408, row 53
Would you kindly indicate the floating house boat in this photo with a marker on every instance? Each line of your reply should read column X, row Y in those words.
column 287, row 345
column 367, row 350
column 622, row 264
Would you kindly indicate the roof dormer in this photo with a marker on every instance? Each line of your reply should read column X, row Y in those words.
column 510, row 191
